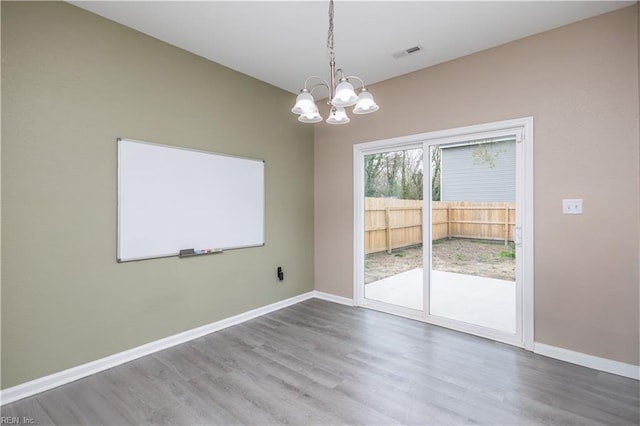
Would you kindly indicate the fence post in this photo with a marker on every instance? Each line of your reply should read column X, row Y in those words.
column 448, row 222
column 387, row 224
column 422, row 224
column 506, row 226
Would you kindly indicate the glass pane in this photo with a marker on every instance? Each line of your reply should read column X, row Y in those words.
column 473, row 220
column 393, row 228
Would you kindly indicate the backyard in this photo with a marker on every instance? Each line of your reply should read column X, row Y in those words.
column 465, row 256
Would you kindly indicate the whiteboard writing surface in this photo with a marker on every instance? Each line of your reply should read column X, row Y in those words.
column 171, row 199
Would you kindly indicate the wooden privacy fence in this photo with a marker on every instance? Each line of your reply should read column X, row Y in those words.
column 391, row 223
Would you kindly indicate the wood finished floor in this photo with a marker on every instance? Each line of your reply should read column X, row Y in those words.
column 319, row 363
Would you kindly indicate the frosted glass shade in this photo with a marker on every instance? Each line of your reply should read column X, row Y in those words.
column 365, row 104
column 304, row 104
column 345, row 95
column 312, row 117
column 338, row 116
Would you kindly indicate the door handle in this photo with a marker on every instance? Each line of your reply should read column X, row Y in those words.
column 518, row 236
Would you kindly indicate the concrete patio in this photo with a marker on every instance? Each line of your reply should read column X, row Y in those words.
column 477, row 300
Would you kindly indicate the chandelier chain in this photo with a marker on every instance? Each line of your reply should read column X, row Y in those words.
column 330, row 33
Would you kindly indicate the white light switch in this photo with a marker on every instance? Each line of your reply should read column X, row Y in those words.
column 572, row 206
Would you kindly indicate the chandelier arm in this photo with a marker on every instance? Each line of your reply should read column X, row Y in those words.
column 355, row 77
column 332, row 79
column 321, row 84
column 316, row 77
column 342, row 74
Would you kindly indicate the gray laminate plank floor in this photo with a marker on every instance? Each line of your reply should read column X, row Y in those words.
column 321, row 363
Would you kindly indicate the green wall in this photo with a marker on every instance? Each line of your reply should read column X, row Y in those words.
column 73, row 82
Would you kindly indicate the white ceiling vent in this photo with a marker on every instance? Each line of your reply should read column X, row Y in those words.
column 406, row 52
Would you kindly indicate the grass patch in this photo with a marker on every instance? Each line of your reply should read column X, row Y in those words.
column 509, row 253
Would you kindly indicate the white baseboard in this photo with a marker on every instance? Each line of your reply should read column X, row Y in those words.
column 603, row 364
column 333, row 298
column 75, row 373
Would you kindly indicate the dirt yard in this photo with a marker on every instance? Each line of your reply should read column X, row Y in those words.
column 471, row 257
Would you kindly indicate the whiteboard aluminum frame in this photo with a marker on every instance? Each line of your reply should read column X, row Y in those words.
column 177, row 254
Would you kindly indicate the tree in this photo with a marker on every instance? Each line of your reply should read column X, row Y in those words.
column 393, row 162
column 486, row 154
column 411, row 175
column 373, row 165
column 436, row 170
column 394, row 174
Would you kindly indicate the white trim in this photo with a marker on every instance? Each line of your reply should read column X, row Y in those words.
column 481, row 141
column 401, row 143
column 476, row 330
column 75, row 373
column 397, row 310
column 332, row 298
column 358, row 224
column 483, row 131
column 602, row 364
column 528, row 211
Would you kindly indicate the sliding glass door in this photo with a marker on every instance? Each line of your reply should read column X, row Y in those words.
column 444, row 228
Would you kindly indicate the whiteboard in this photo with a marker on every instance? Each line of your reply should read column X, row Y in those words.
column 172, row 199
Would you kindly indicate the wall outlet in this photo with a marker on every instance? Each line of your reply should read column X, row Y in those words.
column 572, row 206
column 280, row 273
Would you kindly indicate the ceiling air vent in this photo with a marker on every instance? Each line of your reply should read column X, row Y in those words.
column 407, row 52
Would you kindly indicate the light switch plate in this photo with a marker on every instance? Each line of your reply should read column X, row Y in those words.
column 572, row 206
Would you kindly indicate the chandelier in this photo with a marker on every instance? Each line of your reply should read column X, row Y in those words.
column 341, row 95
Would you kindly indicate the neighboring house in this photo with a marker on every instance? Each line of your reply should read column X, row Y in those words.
column 483, row 172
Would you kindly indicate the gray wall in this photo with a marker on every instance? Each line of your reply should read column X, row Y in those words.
column 72, row 83
column 482, row 172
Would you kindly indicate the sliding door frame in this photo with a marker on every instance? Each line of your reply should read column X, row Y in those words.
column 522, row 130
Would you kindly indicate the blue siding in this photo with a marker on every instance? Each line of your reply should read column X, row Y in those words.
column 482, row 172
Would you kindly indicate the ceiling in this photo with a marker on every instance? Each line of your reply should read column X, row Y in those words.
column 283, row 42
